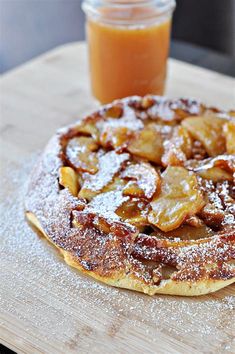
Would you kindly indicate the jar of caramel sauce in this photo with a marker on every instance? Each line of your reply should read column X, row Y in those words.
column 128, row 45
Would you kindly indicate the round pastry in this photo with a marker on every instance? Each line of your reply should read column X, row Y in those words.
column 141, row 195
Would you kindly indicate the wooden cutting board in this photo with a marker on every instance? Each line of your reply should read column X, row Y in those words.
column 47, row 307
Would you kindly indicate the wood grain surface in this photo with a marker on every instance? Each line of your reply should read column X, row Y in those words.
column 47, row 307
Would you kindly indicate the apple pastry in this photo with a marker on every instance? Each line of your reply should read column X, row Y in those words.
column 141, row 195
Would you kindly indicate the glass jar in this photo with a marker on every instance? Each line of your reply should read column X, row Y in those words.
column 128, row 46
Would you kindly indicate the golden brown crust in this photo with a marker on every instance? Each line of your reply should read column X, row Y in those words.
column 100, row 242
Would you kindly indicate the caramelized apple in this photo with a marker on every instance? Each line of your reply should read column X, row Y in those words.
column 177, row 149
column 113, row 137
column 117, row 132
column 88, row 128
column 80, row 153
column 229, row 132
column 132, row 189
column 109, row 165
column 147, row 143
column 209, row 131
column 144, row 180
column 114, row 111
column 134, row 212
column 116, row 184
column 179, row 197
column 147, row 102
column 198, row 151
column 217, row 169
column 69, row 179
column 215, row 174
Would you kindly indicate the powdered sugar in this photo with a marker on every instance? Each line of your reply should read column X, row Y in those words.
column 109, row 165
column 107, row 203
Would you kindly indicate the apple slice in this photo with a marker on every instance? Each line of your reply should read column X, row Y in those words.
column 147, row 143
column 109, row 165
column 179, row 198
column 69, row 179
column 134, row 211
column 209, row 131
column 114, row 137
column 81, row 155
column 229, row 132
column 144, row 181
column 177, row 149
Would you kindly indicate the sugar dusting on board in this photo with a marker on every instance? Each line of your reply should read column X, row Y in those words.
column 55, row 301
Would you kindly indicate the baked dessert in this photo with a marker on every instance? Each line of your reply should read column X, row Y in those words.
column 141, row 195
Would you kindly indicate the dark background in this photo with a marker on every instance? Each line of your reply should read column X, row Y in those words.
column 203, row 31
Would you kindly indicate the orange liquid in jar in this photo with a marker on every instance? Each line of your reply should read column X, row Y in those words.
column 126, row 60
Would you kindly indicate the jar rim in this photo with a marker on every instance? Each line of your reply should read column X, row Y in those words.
column 92, row 8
